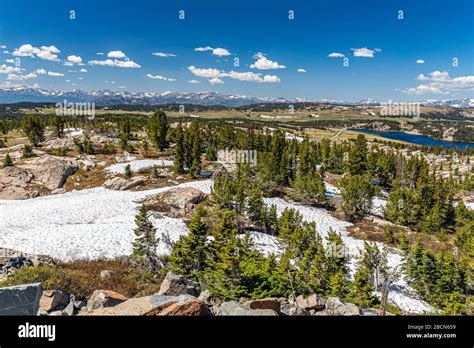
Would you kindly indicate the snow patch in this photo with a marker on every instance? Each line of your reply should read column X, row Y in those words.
column 138, row 165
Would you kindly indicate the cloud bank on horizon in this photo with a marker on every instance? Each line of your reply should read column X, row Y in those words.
column 289, row 50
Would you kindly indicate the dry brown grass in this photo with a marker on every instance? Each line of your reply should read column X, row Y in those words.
column 82, row 277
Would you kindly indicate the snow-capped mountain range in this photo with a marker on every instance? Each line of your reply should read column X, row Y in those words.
column 107, row 98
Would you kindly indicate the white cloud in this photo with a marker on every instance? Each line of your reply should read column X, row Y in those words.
column 252, row 77
column 263, row 63
column 300, row 70
column 244, row 76
column 55, row 74
column 439, row 82
column 364, row 52
column 194, row 81
column 215, row 75
column 3, row 46
column 420, row 61
column 7, row 69
column 336, row 55
column 40, row 71
column 100, row 53
column 219, row 51
column 116, row 54
column 158, row 77
column 208, row 73
column 271, row 79
column 11, row 61
column 80, row 78
column 73, row 60
column 83, row 70
column 215, row 81
column 161, row 54
column 425, row 89
column 115, row 63
column 22, row 77
column 44, row 52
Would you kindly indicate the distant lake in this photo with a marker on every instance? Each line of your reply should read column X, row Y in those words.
column 417, row 139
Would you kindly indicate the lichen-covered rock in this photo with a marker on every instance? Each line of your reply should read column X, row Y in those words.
column 21, row 299
column 174, row 285
column 104, row 298
column 177, row 202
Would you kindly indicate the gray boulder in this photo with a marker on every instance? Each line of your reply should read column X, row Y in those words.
column 121, row 184
column 104, row 298
column 235, row 308
column 334, row 306
column 51, row 171
column 21, row 299
column 177, row 202
column 264, row 303
column 174, row 285
column 53, row 299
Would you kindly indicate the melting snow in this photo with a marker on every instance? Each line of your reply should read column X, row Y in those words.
column 98, row 222
column 138, row 165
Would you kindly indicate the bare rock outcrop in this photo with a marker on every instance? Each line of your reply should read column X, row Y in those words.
column 177, row 202
column 121, row 184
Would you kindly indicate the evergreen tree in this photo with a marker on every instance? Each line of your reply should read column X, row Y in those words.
column 310, row 184
column 195, row 168
column 27, row 151
column 33, row 127
column 7, row 161
column 179, row 158
column 357, row 193
column 158, row 127
column 339, row 285
column 57, row 123
column 223, row 191
column 361, row 292
column 128, row 171
column 146, row 242
column 357, row 164
column 189, row 253
column 255, row 206
column 223, row 277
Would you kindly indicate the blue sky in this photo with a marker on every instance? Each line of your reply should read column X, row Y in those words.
column 386, row 58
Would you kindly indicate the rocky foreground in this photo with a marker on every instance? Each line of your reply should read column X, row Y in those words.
column 177, row 297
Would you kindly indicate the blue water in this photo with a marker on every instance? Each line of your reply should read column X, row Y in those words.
column 417, row 139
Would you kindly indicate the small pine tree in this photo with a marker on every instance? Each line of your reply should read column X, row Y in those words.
column 57, row 122
column 179, row 156
column 255, row 206
column 146, row 242
column 357, row 193
column 390, row 235
column 189, row 253
column 339, row 285
column 195, row 168
column 7, row 161
column 128, row 171
column 223, row 276
column 33, row 127
column 361, row 292
column 155, row 174
column 158, row 127
column 27, row 152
